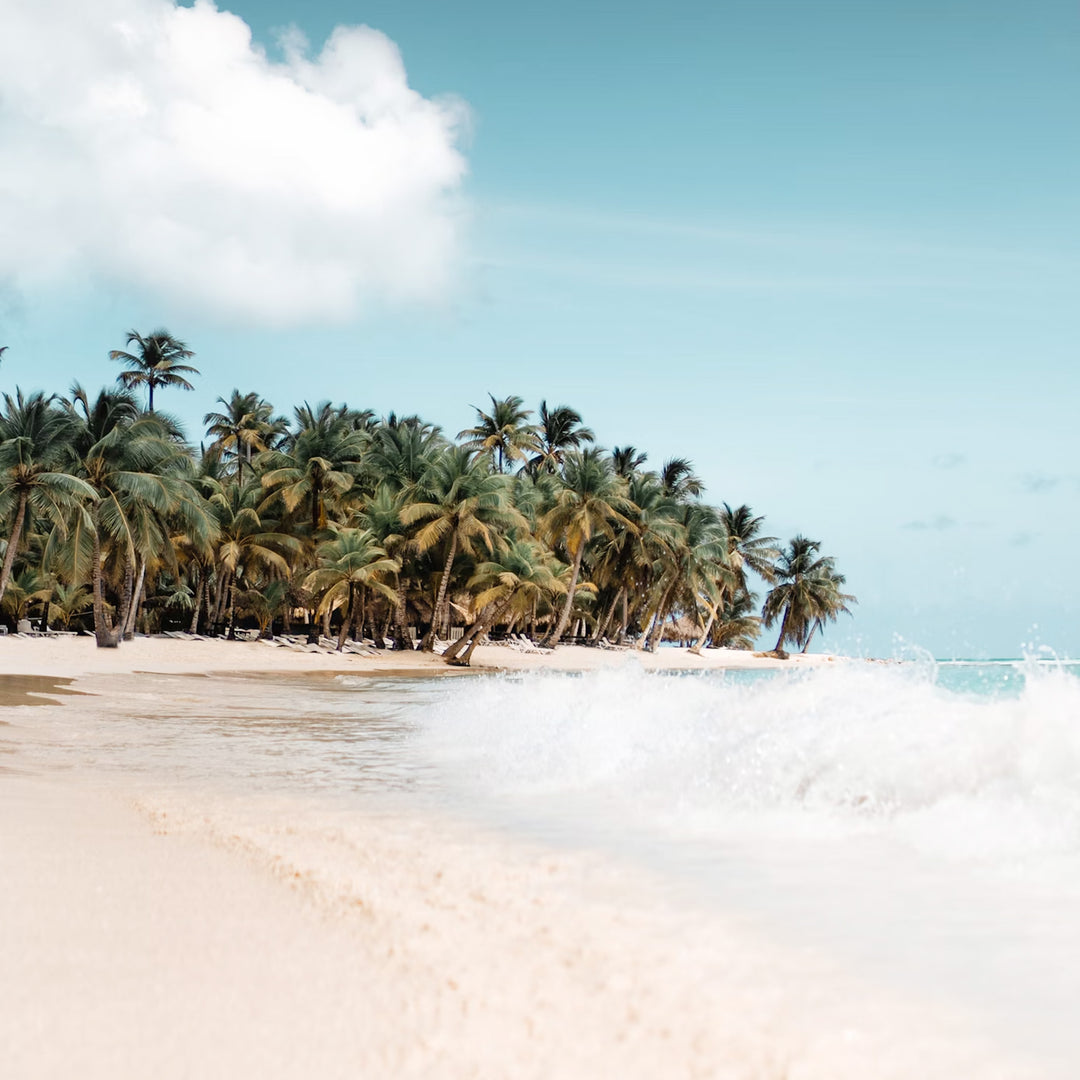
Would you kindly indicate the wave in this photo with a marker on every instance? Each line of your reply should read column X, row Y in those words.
column 986, row 769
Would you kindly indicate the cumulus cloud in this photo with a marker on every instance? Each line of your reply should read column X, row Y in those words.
column 157, row 145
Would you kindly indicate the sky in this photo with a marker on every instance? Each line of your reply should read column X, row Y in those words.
column 828, row 251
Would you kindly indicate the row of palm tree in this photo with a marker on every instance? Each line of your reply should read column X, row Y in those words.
column 381, row 528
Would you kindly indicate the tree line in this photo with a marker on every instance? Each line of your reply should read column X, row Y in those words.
column 379, row 527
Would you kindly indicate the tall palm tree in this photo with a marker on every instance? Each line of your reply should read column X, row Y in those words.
column 245, row 427
column 805, row 591
column 560, row 429
column 136, row 469
column 351, row 564
column 503, row 434
column 591, row 500
column 158, row 360
column 461, row 505
column 35, row 438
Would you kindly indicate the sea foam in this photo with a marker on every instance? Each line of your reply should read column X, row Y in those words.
column 988, row 770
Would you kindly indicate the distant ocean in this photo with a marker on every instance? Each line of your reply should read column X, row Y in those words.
column 922, row 821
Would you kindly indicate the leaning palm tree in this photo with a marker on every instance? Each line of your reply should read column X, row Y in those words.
column 559, row 430
column 34, row 441
column 513, row 581
column 351, row 565
column 805, row 591
column 591, row 500
column 158, row 360
column 503, row 434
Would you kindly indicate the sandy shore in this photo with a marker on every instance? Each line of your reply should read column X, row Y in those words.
column 147, row 929
column 78, row 656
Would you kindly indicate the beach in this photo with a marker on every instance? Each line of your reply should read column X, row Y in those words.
column 158, row 922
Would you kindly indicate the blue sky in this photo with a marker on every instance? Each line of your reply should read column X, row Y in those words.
column 827, row 251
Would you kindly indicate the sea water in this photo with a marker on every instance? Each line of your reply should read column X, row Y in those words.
column 920, row 820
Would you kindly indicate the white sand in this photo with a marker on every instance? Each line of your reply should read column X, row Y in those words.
column 68, row 657
column 170, row 933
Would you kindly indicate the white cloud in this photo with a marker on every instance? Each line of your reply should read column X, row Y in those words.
column 158, row 146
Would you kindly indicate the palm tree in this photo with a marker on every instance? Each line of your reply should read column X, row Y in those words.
column 350, row 565
column 320, row 461
column 158, row 361
column 742, row 549
column 805, row 591
column 677, row 476
column 247, row 541
column 246, row 426
column 591, row 501
column 460, row 504
column 66, row 602
column 502, row 435
column 136, row 469
column 746, row 549
column 515, row 579
column 29, row 586
column 560, row 429
column 832, row 601
column 693, row 569
column 627, row 460
column 737, row 627
column 34, row 440
column 400, row 451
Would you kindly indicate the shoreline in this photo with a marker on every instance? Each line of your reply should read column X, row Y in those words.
column 79, row 656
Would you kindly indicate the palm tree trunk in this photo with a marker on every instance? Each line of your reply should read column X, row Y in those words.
column 219, row 598
column 13, row 542
column 656, row 631
column 150, row 387
column 401, row 637
column 602, row 626
column 133, row 613
column 552, row 639
column 103, row 632
column 125, row 597
column 440, row 598
column 625, row 619
column 346, row 617
column 194, row 628
column 232, row 607
column 810, row 636
column 476, row 632
column 783, row 630
column 700, row 643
